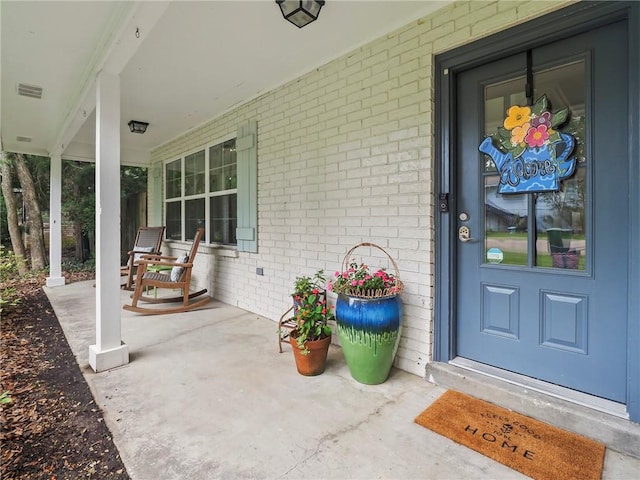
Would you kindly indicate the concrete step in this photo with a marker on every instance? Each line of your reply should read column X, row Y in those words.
column 616, row 433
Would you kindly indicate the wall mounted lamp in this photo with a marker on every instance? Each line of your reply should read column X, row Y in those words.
column 136, row 126
column 300, row 12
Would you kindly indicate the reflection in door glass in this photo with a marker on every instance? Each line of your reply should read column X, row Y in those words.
column 556, row 221
column 505, row 215
column 505, row 225
column 561, row 216
column 561, row 230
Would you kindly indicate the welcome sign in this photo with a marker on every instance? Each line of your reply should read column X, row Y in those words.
column 531, row 154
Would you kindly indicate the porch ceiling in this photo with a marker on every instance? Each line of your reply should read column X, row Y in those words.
column 192, row 62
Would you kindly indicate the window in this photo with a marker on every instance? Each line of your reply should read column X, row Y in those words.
column 208, row 179
column 216, row 188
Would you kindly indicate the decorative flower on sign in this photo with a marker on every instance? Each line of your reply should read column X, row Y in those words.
column 359, row 281
column 530, row 127
column 537, row 136
column 517, row 116
column 529, row 153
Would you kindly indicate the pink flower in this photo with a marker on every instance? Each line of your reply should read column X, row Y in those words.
column 354, row 283
column 537, row 136
column 330, row 286
column 360, row 282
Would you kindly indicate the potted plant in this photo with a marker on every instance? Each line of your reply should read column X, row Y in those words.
column 304, row 284
column 368, row 316
column 311, row 337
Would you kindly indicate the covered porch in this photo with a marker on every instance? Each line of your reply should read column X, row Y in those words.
column 209, row 396
column 76, row 74
column 346, row 152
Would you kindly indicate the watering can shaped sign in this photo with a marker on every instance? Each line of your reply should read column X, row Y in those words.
column 531, row 156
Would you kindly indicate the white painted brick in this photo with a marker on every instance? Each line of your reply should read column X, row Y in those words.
column 345, row 155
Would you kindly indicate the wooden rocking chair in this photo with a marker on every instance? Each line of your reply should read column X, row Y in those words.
column 180, row 278
column 148, row 241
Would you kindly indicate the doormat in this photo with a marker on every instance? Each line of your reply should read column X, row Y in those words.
column 529, row 446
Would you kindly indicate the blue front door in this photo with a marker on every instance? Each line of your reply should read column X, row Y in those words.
column 542, row 278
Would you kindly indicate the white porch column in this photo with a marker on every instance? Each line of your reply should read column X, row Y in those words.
column 109, row 350
column 55, row 278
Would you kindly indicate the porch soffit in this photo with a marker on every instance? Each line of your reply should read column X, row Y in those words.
column 190, row 62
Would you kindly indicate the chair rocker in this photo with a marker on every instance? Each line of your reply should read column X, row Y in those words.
column 148, row 242
column 180, row 278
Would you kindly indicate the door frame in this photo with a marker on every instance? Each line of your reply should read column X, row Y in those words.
column 552, row 27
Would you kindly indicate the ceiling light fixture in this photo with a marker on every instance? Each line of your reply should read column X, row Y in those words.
column 300, row 12
column 136, row 126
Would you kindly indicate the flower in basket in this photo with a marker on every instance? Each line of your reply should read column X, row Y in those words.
column 359, row 281
column 311, row 316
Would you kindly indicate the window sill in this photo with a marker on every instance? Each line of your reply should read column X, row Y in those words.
column 222, row 251
column 218, row 250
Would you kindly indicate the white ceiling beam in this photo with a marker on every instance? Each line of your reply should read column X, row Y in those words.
column 129, row 26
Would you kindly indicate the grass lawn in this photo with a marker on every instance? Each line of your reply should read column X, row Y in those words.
column 516, row 258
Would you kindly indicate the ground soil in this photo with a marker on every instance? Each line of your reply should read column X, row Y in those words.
column 52, row 428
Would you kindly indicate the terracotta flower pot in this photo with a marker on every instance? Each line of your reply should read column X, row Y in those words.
column 314, row 362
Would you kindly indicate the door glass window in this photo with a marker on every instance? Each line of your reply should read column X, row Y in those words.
column 538, row 229
column 505, row 216
column 561, row 216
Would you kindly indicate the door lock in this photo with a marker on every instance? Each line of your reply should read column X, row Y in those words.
column 464, row 234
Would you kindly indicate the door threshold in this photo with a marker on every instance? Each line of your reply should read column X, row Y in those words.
column 573, row 396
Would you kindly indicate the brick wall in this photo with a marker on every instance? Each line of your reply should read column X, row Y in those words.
column 345, row 155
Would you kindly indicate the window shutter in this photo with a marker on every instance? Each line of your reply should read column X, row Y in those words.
column 246, row 156
column 156, row 195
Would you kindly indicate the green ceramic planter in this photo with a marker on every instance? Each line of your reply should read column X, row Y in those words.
column 369, row 332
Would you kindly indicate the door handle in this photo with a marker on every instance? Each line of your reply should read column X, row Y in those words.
column 464, row 234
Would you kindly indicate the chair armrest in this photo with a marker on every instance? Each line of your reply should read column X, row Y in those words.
column 146, row 252
column 164, row 263
column 157, row 258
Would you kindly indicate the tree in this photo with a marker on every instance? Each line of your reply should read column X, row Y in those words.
column 78, row 201
column 12, row 212
column 78, row 204
column 133, row 205
column 34, row 214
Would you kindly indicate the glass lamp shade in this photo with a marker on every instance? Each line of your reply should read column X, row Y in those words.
column 136, row 126
column 300, row 12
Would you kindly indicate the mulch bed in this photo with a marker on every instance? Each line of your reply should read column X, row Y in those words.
column 52, row 428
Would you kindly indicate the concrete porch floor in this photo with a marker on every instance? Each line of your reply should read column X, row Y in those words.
column 207, row 395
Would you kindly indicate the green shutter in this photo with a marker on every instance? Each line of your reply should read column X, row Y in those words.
column 156, row 195
column 247, row 158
